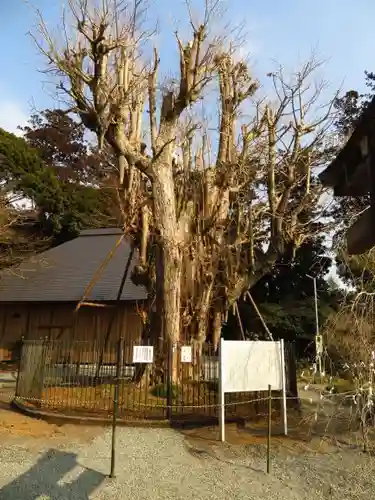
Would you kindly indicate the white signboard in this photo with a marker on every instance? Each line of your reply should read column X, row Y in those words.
column 186, row 354
column 143, row 354
column 251, row 366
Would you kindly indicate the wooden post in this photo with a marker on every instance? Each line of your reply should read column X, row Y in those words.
column 269, row 429
column 119, row 358
column 259, row 314
column 33, row 359
column 19, row 368
column 239, row 320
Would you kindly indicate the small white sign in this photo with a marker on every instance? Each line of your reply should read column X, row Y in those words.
column 143, row 354
column 186, row 354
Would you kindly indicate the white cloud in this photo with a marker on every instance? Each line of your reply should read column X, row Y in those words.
column 12, row 115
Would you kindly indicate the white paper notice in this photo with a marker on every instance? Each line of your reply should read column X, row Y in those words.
column 186, row 354
column 143, row 354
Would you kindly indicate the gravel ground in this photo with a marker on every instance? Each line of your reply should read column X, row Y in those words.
column 164, row 464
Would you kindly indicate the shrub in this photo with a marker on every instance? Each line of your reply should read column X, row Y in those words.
column 161, row 391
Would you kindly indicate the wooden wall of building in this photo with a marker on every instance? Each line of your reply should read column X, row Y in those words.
column 59, row 321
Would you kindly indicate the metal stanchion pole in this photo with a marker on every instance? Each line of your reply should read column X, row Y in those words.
column 269, row 429
column 169, row 381
column 115, row 408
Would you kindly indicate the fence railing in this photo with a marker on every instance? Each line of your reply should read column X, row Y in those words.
column 79, row 377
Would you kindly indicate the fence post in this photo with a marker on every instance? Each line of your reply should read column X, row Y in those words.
column 46, row 345
column 169, row 380
column 115, row 405
column 19, row 368
column 269, row 429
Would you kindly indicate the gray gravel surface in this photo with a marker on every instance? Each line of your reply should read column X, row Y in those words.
column 161, row 464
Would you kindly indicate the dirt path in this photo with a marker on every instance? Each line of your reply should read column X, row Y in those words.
column 163, row 464
column 17, row 428
column 47, row 461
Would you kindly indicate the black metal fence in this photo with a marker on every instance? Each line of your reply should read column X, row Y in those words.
column 76, row 377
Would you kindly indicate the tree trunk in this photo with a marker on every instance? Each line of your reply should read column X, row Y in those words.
column 166, row 221
column 171, row 303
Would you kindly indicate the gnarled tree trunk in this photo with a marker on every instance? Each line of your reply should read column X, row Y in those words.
column 166, row 225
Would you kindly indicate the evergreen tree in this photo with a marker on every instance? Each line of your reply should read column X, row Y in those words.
column 34, row 169
column 285, row 296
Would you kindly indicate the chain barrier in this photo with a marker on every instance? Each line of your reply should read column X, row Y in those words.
column 92, row 402
column 8, row 393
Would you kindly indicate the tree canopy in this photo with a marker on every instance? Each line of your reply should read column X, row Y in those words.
column 48, row 167
column 61, row 143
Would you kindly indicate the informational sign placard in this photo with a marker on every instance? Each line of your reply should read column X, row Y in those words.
column 143, row 354
column 251, row 366
column 186, row 354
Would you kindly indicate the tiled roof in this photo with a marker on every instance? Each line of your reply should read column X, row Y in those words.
column 62, row 274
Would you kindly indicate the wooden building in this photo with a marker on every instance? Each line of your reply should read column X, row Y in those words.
column 38, row 298
column 352, row 173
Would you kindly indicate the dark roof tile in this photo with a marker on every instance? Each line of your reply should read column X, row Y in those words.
column 62, row 274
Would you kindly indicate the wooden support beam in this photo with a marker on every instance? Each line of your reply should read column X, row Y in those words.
column 95, row 304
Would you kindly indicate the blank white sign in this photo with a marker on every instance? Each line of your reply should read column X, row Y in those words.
column 251, row 366
column 143, row 354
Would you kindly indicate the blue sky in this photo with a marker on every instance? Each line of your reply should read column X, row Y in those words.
column 285, row 31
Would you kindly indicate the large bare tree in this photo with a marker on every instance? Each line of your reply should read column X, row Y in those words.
column 211, row 211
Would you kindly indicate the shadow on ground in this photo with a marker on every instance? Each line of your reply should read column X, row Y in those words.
column 49, row 478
